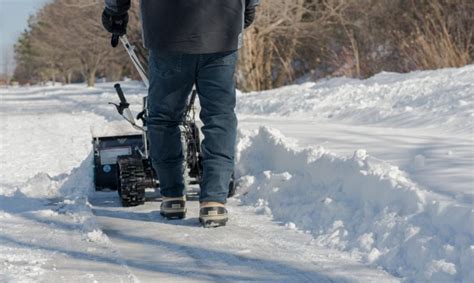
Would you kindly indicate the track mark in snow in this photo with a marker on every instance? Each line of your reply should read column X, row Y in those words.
column 50, row 239
column 47, row 241
column 251, row 247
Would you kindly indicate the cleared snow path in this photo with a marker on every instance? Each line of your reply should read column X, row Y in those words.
column 250, row 248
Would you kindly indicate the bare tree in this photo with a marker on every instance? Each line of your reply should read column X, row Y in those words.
column 290, row 39
column 277, row 42
column 70, row 38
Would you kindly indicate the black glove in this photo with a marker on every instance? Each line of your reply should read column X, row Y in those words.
column 116, row 24
column 249, row 16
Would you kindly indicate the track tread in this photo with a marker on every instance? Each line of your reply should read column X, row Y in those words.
column 131, row 178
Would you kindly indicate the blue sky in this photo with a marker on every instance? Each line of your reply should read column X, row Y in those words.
column 13, row 20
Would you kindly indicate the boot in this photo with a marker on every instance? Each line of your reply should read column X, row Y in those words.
column 173, row 208
column 212, row 214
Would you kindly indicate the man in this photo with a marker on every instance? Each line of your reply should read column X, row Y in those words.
column 190, row 42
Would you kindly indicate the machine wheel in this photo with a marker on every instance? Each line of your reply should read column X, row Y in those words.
column 131, row 180
column 232, row 186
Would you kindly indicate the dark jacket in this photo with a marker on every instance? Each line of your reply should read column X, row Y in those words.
column 191, row 26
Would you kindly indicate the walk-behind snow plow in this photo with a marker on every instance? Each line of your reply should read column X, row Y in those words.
column 123, row 162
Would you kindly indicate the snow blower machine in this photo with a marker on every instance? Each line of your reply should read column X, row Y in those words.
column 122, row 163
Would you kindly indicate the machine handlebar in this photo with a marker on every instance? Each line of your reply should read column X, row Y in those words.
column 120, row 94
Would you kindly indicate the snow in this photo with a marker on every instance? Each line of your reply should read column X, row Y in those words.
column 359, row 204
column 339, row 180
column 431, row 99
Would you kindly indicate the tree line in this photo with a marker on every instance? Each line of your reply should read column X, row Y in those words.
column 65, row 41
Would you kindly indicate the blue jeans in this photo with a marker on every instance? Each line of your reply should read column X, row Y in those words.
column 172, row 76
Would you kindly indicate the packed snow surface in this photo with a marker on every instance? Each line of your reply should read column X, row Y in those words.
column 339, row 181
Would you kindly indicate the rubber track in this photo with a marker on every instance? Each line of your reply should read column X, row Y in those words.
column 132, row 181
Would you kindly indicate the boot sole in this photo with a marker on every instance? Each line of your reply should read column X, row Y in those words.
column 214, row 222
column 173, row 215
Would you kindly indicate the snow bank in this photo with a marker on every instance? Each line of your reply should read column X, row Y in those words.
column 430, row 98
column 359, row 204
column 70, row 192
column 78, row 183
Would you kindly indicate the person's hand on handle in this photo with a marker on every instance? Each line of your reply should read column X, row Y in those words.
column 115, row 23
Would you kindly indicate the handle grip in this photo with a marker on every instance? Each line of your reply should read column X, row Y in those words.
column 114, row 40
column 120, row 94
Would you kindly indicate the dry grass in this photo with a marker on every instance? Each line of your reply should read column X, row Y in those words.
column 440, row 41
